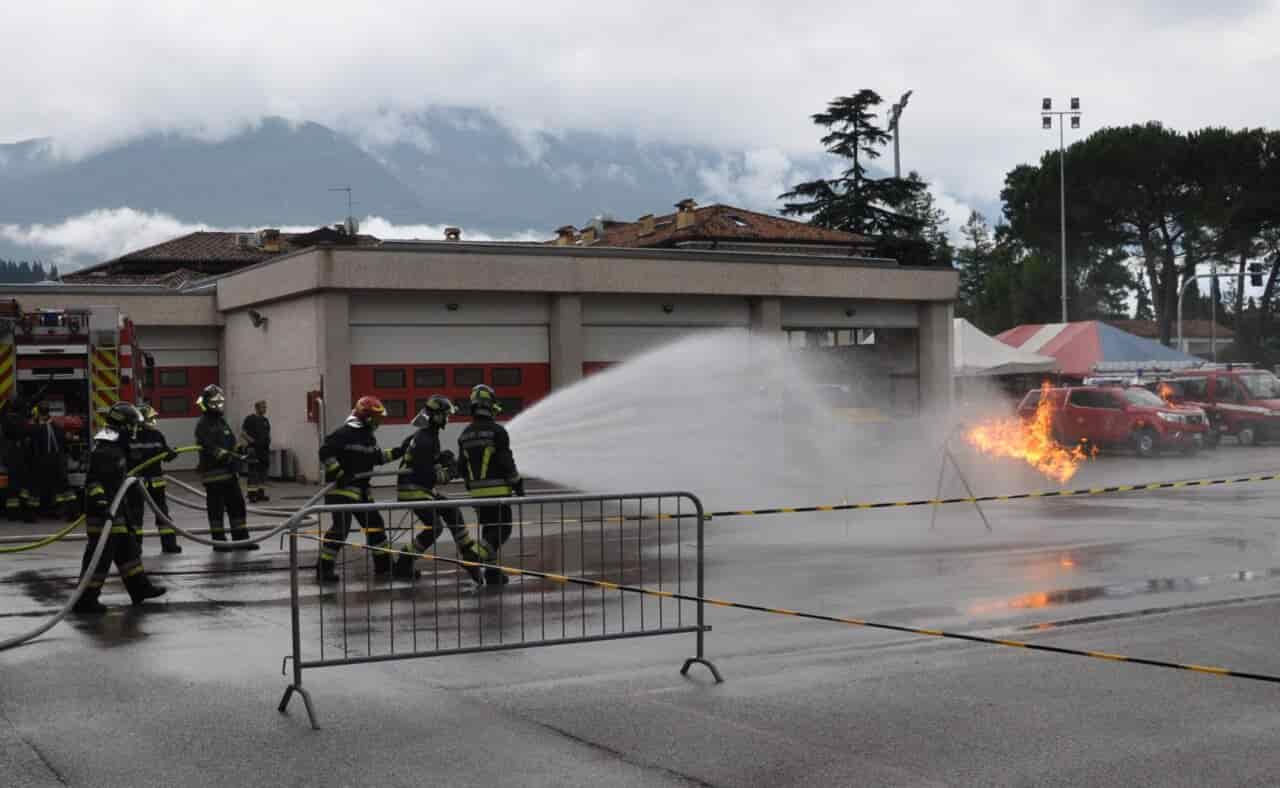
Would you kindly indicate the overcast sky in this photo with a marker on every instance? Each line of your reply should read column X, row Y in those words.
column 740, row 75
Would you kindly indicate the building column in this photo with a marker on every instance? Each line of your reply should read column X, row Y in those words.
column 333, row 356
column 766, row 316
column 936, row 356
column 566, row 340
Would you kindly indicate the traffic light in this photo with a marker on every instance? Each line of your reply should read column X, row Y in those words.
column 1255, row 274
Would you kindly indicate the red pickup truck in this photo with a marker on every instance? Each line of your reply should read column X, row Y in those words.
column 1119, row 417
column 1243, row 403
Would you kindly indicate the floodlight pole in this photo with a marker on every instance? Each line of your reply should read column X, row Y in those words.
column 1046, row 115
column 895, row 116
column 1183, row 291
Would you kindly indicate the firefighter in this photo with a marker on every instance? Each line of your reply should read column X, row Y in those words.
column 348, row 452
column 256, row 433
column 108, row 464
column 15, row 459
column 489, row 470
column 219, row 457
column 148, row 442
column 425, row 466
column 47, row 466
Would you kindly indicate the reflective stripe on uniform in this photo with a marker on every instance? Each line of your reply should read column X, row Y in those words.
column 157, row 484
column 343, row 492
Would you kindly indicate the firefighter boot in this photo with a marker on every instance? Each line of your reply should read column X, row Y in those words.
column 240, row 533
column 469, row 550
column 404, row 569
column 88, row 604
column 325, row 573
column 169, row 543
column 141, row 588
column 219, row 535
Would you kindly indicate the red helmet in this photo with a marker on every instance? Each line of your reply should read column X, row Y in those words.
column 369, row 410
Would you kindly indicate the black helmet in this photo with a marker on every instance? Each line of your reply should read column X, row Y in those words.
column 212, row 399
column 435, row 413
column 484, row 402
column 123, row 416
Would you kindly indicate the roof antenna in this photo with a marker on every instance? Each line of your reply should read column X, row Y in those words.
column 352, row 226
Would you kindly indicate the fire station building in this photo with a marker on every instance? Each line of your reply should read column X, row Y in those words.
column 309, row 322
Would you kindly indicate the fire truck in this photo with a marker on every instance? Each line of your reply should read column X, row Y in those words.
column 79, row 360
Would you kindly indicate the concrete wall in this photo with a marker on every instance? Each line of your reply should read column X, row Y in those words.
column 159, row 309
column 493, row 269
column 936, row 356
column 279, row 362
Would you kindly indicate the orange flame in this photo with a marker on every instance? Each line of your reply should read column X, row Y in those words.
column 1166, row 393
column 1031, row 442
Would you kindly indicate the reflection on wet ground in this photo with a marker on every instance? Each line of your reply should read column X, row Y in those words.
column 1069, row 596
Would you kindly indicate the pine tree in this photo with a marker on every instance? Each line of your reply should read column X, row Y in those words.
column 1142, row 309
column 853, row 202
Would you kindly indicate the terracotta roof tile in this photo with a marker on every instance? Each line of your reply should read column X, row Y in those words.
column 724, row 223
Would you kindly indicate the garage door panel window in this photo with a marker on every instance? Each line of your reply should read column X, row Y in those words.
column 507, row 376
column 173, row 378
column 388, row 378
column 174, row 406
column 429, row 378
column 468, row 376
column 395, row 408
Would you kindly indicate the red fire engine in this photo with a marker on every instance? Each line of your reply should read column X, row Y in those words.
column 80, row 360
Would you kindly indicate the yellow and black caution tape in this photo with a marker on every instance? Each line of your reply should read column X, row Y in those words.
column 857, row 622
column 62, row 533
column 1121, row 488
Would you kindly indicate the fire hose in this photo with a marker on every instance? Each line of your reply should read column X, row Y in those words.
column 85, row 578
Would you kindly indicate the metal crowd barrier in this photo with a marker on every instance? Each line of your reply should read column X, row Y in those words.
column 636, row 539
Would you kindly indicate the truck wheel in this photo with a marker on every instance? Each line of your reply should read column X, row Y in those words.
column 1212, row 439
column 1146, row 444
column 1247, row 435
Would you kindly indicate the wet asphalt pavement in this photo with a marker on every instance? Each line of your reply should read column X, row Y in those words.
column 184, row 692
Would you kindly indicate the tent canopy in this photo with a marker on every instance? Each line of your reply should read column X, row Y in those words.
column 976, row 354
column 1085, row 346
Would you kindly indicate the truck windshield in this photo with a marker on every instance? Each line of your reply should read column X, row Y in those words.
column 1143, row 398
column 1261, row 385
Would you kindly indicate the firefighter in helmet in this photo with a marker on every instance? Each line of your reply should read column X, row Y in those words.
column 220, row 457
column 489, row 470
column 146, row 443
column 347, row 453
column 47, row 465
column 425, row 466
column 108, row 465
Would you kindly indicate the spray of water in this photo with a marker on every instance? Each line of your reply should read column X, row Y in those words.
column 736, row 419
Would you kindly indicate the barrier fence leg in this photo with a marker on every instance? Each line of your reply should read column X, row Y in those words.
column 295, row 616
column 700, row 657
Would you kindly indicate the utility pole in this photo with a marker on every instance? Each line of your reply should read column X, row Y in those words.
column 1046, row 122
column 351, row 219
column 895, row 114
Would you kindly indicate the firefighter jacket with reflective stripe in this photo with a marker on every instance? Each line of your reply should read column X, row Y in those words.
column 485, row 460
column 258, row 428
column 145, row 444
column 350, row 450
column 108, row 464
column 217, row 448
column 424, row 465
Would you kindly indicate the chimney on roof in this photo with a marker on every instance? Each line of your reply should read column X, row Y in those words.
column 646, row 224
column 453, row 234
column 588, row 235
column 269, row 240
column 684, row 213
column 567, row 235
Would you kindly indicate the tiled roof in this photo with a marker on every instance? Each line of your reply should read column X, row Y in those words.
column 193, row 256
column 1150, row 329
column 723, row 223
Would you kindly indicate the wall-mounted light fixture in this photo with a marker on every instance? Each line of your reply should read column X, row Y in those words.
column 451, row 307
column 850, row 311
column 258, row 319
column 668, row 308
